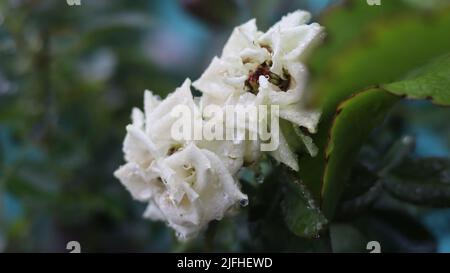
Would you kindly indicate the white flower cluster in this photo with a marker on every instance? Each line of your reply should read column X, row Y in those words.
column 187, row 184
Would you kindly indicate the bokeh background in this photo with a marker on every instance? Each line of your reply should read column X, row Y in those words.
column 69, row 76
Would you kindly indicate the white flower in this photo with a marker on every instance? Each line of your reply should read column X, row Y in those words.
column 275, row 55
column 189, row 182
column 148, row 139
column 158, row 117
column 184, row 185
column 187, row 189
column 193, row 188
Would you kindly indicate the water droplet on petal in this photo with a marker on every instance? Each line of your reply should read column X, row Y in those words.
column 243, row 202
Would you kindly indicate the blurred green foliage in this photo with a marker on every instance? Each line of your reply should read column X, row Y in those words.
column 70, row 76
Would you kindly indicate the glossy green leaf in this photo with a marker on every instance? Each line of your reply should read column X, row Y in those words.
column 384, row 51
column 267, row 216
column 302, row 216
column 423, row 181
column 355, row 119
column 431, row 82
column 359, row 115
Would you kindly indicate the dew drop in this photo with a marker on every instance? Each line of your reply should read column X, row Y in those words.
column 243, row 202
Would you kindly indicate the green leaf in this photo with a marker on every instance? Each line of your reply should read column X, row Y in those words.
column 355, row 119
column 431, row 82
column 423, row 181
column 386, row 51
column 266, row 217
column 378, row 55
column 359, row 115
column 302, row 216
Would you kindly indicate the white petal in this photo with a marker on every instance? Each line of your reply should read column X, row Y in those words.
column 136, row 181
column 307, row 141
column 284, row 154
column 182, row 95
column 226, row 180
column 150, row 103
column 242, row 37
column 230, row 153
column 137, row 118
column 184, row 218
column 308, row 35
column 138, row 148
column 172, row 183
column 296, row 90
column 222, row 78
column 161, row 120
column 292, row 19
column 304, row 118
column 153, row 212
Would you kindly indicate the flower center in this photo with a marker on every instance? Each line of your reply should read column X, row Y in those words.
column 252, row 83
